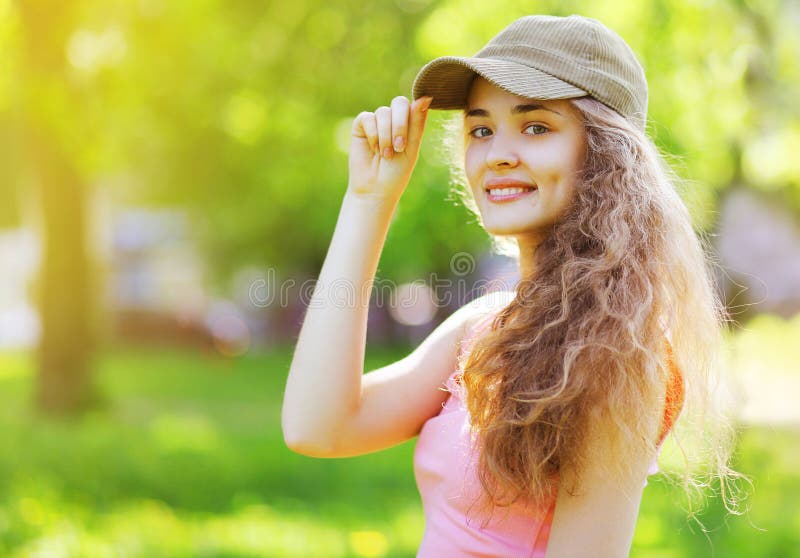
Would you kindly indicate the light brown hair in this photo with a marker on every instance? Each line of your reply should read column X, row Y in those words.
column 621, row 270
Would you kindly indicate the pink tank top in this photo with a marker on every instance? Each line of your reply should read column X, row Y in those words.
column 445, row 462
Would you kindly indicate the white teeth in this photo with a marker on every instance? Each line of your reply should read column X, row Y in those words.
column 507, row 191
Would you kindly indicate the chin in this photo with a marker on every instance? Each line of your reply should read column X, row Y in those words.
column 503, row 231
column 507, row 228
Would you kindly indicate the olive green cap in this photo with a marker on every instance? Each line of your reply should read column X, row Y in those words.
column 545, row 57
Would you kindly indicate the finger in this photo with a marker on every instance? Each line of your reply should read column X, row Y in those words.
column 400, row 110
column 371, row 131
column 366, row 127
column 416, row 126
column 383, row 116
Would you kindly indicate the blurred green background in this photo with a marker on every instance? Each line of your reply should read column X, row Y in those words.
column 170, row 176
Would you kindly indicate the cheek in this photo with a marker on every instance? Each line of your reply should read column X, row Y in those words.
column 472, row 165
column 568, row 159
column 470, row 156
column 579, row 154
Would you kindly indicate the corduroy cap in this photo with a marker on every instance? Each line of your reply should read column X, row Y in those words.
column 545, row 57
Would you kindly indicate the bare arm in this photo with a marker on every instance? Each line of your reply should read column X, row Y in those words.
column 323, row 390
column 600, row 519
column 324, row 383
column 397, row 399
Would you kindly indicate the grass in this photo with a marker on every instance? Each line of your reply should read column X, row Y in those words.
column 188, row 461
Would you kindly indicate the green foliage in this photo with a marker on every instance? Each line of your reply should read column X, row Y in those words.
column 189, row 461
column 238, row 110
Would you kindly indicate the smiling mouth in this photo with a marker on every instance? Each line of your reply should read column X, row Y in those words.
column 510, row 190
column 509, row 193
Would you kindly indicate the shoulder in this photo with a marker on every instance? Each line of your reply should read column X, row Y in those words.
column 485, row 306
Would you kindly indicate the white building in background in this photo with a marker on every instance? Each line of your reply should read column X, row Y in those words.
column 148, row 263
column 154, row 264
column 19, row 262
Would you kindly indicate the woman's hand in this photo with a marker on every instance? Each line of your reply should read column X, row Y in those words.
column 384, row 146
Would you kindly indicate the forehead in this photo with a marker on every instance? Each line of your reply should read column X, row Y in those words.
column 485, row 95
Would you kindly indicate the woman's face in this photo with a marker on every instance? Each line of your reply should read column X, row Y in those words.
column 511, row 141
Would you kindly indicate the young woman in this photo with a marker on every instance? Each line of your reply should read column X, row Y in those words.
column 558, row 394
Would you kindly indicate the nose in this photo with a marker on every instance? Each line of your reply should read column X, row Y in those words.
column 502, row 152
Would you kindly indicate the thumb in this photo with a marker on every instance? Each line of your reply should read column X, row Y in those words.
column 416, row 126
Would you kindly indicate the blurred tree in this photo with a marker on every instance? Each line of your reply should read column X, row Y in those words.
column 240, row 112
column 64, row 295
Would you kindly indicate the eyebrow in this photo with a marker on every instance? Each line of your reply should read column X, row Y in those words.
column 519, row 109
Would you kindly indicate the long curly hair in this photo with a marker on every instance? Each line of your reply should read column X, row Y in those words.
column 622, row 271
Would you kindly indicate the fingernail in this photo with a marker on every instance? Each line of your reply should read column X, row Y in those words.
column 399, row 144
column 387, row 152
column 426, row 103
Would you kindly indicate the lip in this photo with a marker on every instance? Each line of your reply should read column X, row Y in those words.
column 507, row 183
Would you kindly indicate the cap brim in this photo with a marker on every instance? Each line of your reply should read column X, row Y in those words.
column 447, row 79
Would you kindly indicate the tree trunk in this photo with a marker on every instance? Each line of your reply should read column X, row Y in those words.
column 64, row 299
column 64, row 384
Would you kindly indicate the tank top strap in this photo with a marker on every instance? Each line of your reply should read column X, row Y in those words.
column 674, row 397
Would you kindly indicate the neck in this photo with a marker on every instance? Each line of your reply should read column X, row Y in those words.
column 528, row 245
